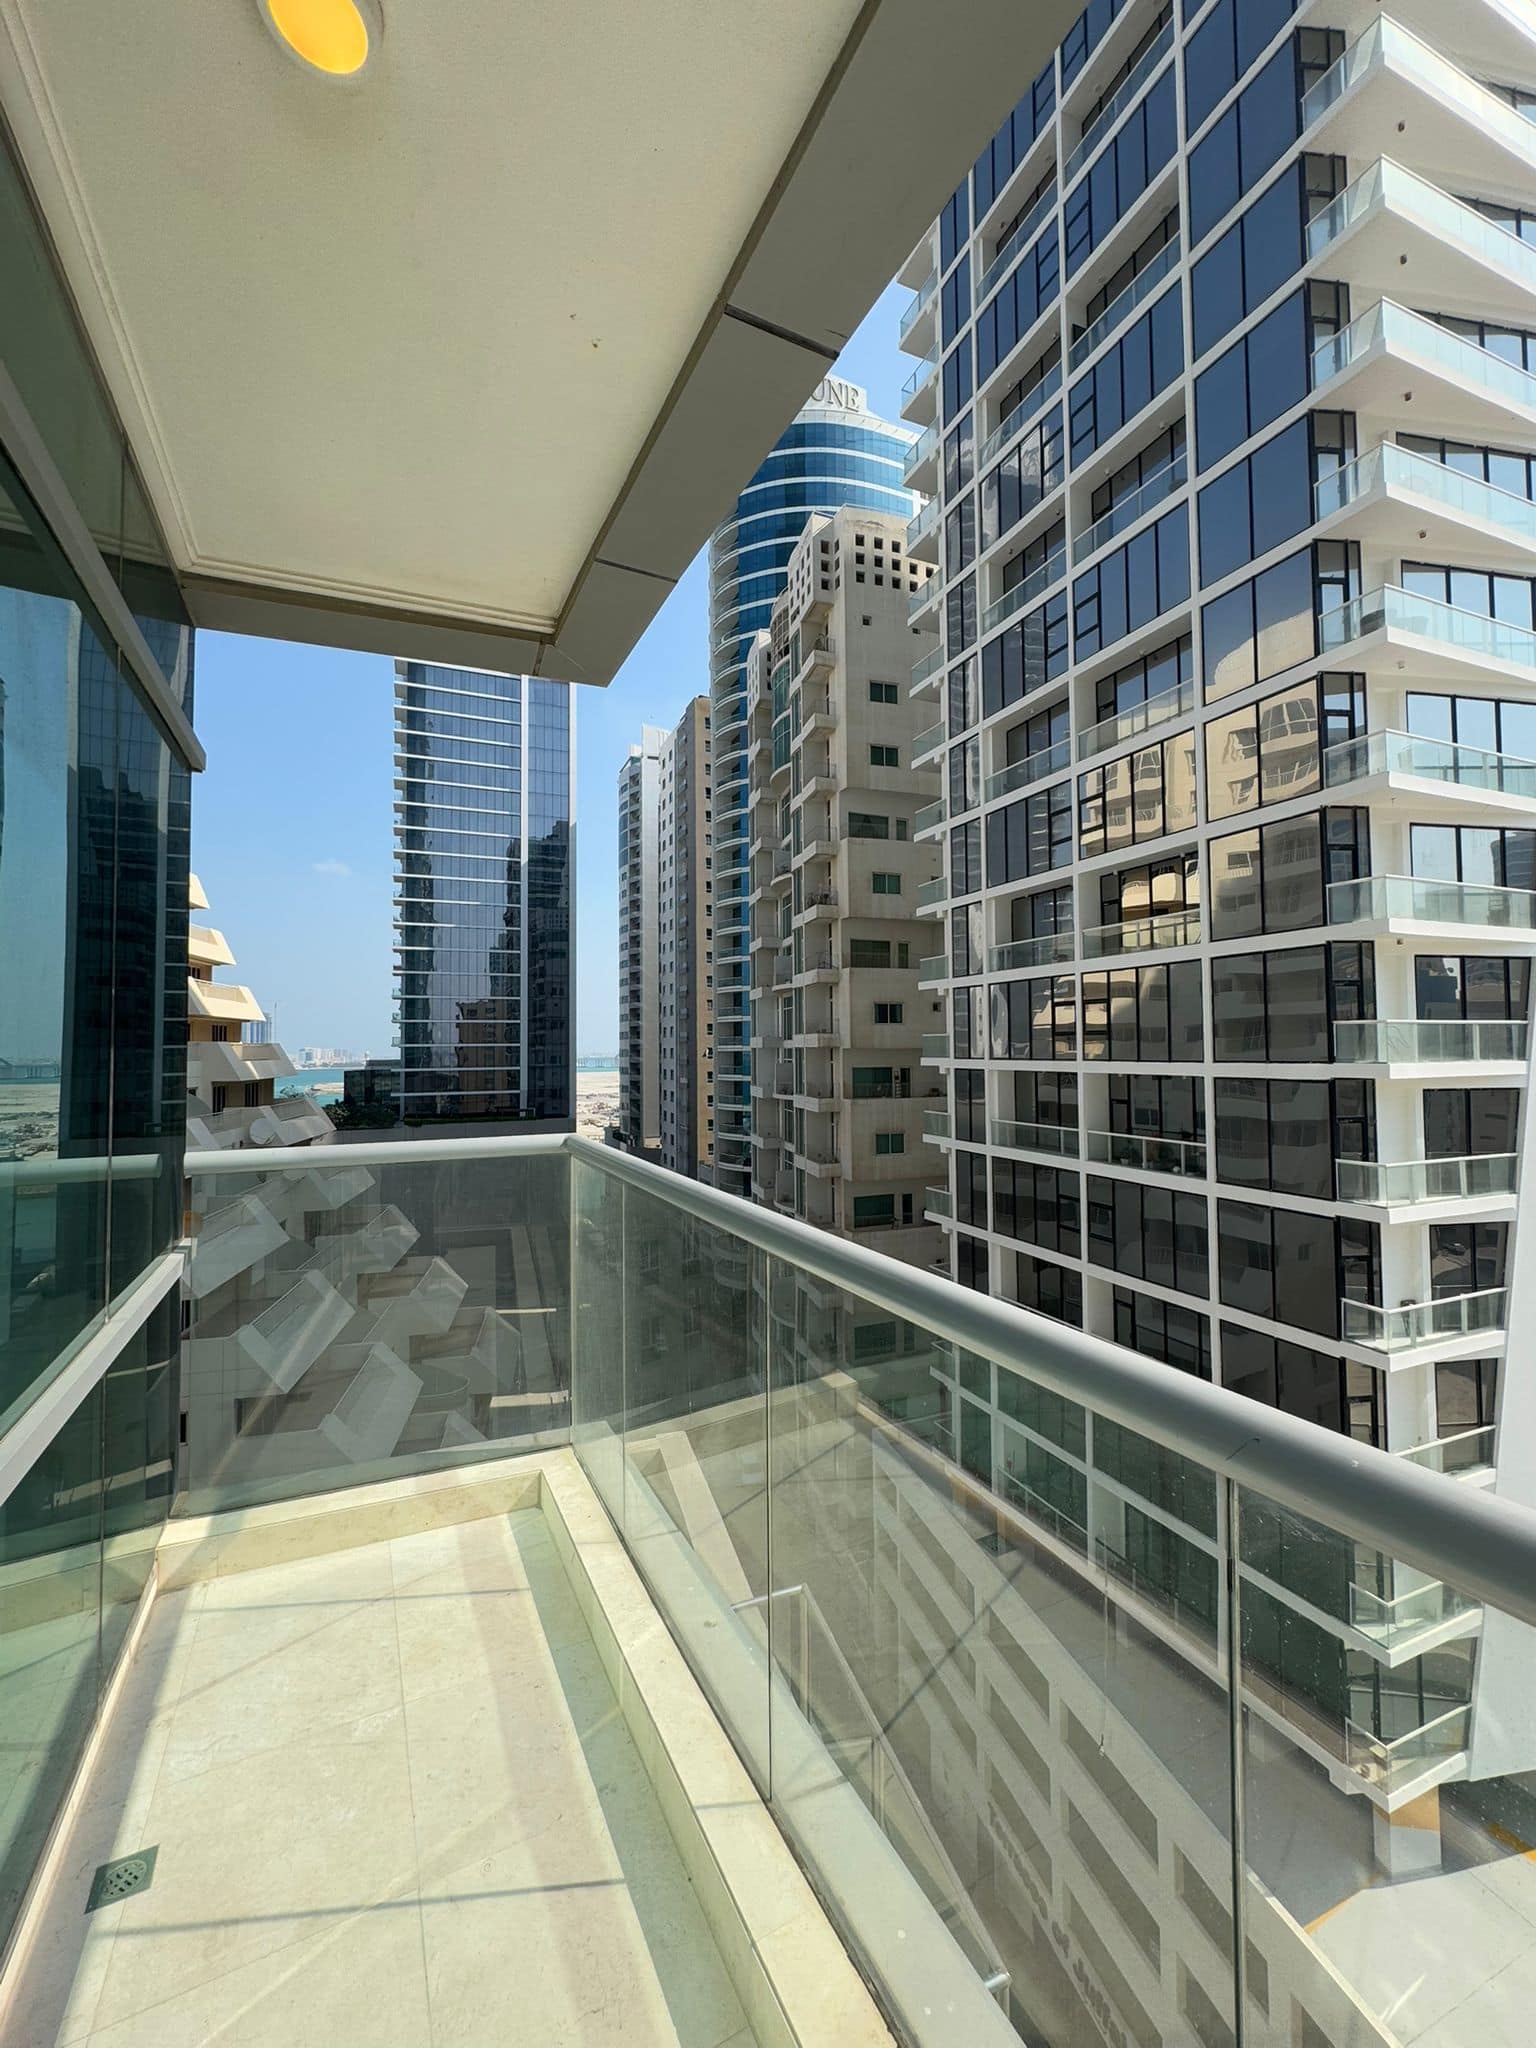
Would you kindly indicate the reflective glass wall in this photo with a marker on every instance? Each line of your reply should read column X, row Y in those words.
column 94, row 830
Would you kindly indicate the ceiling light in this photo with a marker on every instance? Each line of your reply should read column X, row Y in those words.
column 334, row 37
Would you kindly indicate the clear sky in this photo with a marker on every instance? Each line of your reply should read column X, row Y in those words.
column 292, row 822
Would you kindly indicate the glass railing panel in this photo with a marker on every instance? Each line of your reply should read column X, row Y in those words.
column 356, row 1315
column 1160, row 485
column 919, row 377
column 1029, row 1137
column 1389, row 325
column 1037, row 581
column 935, row 1045
column 1469, row 1450
column 1121, row 308
column 936, row 1201
column 1099, row 127
column 1405, row 468
column 1143, row 934
column 1139, row 718
column 922, row 523
column 1035, row 952
column 920, row 450
column 1420, row 898
column 1147, row 1152
column 935, row 1123
column 1426, row 1180
column 1423, row 1322
column 930, row 737
column 1388, row 43
column 1414, row 198
column 934, row 968
column 925, row 594
column 928, row 666
column 922, row 298
column 936, row 891
column 1383, row 1041
column 930, row 814
column 1405, row 753
column 1019, row 240
column 1033, row 402
column 1020, row 774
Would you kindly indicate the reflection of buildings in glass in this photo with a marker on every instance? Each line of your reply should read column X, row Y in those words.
column 482, row 895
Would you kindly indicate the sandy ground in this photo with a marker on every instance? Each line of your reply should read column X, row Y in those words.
column 597, row 1102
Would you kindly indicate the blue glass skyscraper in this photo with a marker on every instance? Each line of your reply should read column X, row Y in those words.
column 833, row 453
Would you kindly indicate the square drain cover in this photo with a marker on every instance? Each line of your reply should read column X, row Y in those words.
column 120, row 1880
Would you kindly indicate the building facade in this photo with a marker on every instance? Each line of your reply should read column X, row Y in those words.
column 685, row 940
column 483, row 896
column 666, row 1009
column 233, row 1061
column 839, row 1091
column 833, row 453
column 639, row 936
column 1228, row 392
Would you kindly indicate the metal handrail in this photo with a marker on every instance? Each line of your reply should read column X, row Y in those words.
column 1475, row 1540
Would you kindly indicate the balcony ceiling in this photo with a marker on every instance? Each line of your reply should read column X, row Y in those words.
column 463, row 359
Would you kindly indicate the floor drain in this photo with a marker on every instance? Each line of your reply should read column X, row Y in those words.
column 120, row 1880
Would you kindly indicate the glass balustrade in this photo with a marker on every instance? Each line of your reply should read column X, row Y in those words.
column 1386, row 44
column 1480, row 905
column 954, row 1579
column 1137, row 719
column 922, row 523
column 934, row 968
column 1388, row 326
column 1020, row 774
column 1464, row 632
column 1143, row 934
column 1405, row 753
column 1016, row 243
column 929, row 893
column 1415, row 1323
column 1160, row 485
column 1468, row 1450
column 1040, row 951
column 1395, row 1182
column 930, row 815
column 919, row 451
column 1060, row 1139
column 1104, row 120
column 922, row 299
column 1388, row 466
column 1390, row 186
column 928, row 666
column 1032, row 586
column 925, row 594
column 1148, row 1152
column 935, row 1045
column 930, row 737
column 923, row 374
column 935, row 1123
column 1029, row 406
column 1424, row 1041
column 1120, row 309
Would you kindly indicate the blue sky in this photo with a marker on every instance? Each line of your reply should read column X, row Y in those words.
column 291, row 823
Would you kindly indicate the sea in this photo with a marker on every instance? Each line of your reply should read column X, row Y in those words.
column 322, row 1082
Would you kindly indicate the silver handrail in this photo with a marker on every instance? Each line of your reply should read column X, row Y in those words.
column 1478, row 1542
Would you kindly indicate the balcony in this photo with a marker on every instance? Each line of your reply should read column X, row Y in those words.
column 916, row 326
column 1146, row 1152
column 924, row 671
column 919, row 600
column 921, row 460
column 1034, row 585
column 1017, row 242
column 1402, row 499
column 1044, row 950
column 918, row 393
column 929, row 741
column 935, row 1045
column 529, row 1648
column 1408, row 1047
column 936, row 1124
column 1483, row 1182
column 1137, row 719
column 931, row 894
column 1142, row 934
column 1120, row 101
column 1420, row 904
column 1391, row 218
column 1438, row 1327
column 929, row 818
column 1388, row 81
column 1123, row 515
column 933, row 970
column 1429, row 772
column 1060, row 1140
column 923, row 533
column 1029, row 407
column 1120, row 309
column 1468, row 1454
column 1020, row 774
column 1459, row 380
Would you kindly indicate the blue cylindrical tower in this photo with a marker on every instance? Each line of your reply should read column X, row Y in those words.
column 833, row 453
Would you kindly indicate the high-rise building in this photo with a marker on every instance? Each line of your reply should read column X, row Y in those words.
column 1229, row 393
column 483, row 899
column 839, row 1092
column 833, row 453
column 685, row 875
column 639, row 1126
column 233, row 1062
column 666, row 1044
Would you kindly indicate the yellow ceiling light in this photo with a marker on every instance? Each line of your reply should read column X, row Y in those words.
column 334, row 37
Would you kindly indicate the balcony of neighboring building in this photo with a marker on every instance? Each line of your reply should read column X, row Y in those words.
column 222, row 1002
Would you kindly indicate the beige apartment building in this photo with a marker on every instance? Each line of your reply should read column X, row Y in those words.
column 838, row 1087
column 666, row 932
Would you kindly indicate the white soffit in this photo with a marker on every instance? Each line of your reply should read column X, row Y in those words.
column 465, row 358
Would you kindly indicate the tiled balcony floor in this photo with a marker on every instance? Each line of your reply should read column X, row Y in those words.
column 396, row 1806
